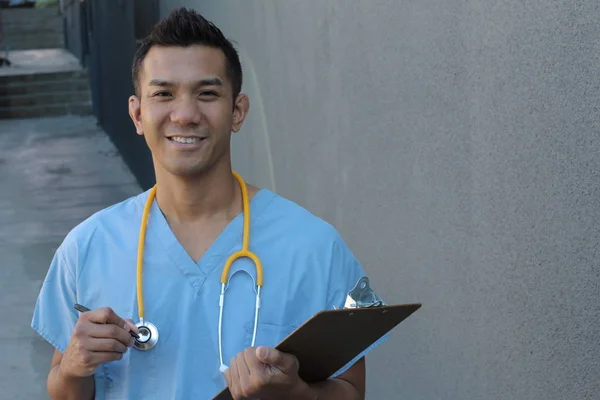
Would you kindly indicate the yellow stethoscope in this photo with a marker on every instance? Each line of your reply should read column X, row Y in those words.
column 147, row 331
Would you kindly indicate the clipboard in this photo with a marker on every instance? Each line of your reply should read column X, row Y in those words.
column 332, row 338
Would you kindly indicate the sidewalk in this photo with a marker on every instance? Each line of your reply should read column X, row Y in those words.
column 38, row 61
column 54, row 172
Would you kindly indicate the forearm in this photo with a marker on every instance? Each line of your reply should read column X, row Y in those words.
column 63, row 388
column 335, row 389
column 330, row 389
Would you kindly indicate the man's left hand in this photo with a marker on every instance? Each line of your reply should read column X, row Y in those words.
column 265, row 373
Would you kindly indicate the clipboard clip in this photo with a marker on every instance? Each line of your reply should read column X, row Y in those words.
column 362, row 296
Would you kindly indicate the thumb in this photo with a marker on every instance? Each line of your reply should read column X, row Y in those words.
column 285, row 362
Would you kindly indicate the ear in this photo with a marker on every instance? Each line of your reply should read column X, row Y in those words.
column 135, row 114
column 240, row 110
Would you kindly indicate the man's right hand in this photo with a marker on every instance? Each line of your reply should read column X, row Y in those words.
column 100, row 336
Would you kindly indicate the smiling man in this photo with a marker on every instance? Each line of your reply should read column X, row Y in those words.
column 157, row 258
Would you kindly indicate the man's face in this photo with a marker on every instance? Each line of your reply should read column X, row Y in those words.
column 185, row 109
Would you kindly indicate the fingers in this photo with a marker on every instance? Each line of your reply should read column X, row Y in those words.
column 78, row 360
column 287, row 363
column 131, row 326
column 100, row 336
column 247, row 377
column 110, row 332
column 243, row 375
column 234, row 380
column 252, row 363
column 106, row 345
column 106, row 323
column 257, row 377
column 227, row 375
column 106, row 315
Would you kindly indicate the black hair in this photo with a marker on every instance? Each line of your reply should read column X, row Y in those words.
column 185, row 27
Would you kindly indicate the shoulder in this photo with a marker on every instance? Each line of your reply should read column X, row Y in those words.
column 110, row 220
column 317, row 245
column 291, row 215
column 299, row 226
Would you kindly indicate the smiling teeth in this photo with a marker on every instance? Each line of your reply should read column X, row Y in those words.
column 188, row 140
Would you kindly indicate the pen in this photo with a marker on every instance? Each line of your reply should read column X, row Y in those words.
column 81, row 308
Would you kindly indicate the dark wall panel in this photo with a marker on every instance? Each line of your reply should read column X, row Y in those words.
column 106, row 42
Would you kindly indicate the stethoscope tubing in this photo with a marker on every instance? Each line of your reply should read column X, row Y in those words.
column 151, row 329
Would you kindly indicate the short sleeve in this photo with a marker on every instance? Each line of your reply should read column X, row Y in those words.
column 54, row 316
column 345, row 273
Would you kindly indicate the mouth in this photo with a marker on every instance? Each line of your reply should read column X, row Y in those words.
column 186, row 139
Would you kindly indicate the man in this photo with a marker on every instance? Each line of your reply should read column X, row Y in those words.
column 187, row 103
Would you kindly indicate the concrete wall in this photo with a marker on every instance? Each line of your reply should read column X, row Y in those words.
column 74, row 23
column 455, row 145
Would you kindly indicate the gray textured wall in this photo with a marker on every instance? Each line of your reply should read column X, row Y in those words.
column 454, row 144
column 73, row 25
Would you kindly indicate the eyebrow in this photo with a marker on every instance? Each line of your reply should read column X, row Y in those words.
column 202, row 82
column 210, row 82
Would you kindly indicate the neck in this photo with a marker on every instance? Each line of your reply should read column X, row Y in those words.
column 213, row 194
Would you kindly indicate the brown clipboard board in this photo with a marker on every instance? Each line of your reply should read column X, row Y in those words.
column 332, row 338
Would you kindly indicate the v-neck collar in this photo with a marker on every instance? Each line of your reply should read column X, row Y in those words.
column 159, row 230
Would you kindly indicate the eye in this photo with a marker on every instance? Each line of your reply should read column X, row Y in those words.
column 161, row 93
column 208, row 93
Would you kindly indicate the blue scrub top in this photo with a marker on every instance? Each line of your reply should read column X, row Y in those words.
column 307, row 268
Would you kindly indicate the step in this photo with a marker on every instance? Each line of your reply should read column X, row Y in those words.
column 24, row 37
column 46, row 110
column 15, row 14
column 47, row 43
column 28, row 28
column 17, row 23
column 6, row 80
column 34, row 45
column 33, row 29
column 22, row 88
column 33, row 36
column 35, row 99
column 40, row 65
column 29, row 14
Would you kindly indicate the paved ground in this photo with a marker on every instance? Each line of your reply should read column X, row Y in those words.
column 42, row 60
column 54, row 172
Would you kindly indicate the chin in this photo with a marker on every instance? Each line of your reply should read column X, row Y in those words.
column 189, row 167
column 189, row 171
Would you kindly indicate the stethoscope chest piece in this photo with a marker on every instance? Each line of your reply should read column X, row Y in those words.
column 148, row 336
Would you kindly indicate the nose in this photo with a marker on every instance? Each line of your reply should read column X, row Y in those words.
column 186, row 111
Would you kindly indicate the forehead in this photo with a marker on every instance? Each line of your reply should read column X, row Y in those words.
column 183, row 64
